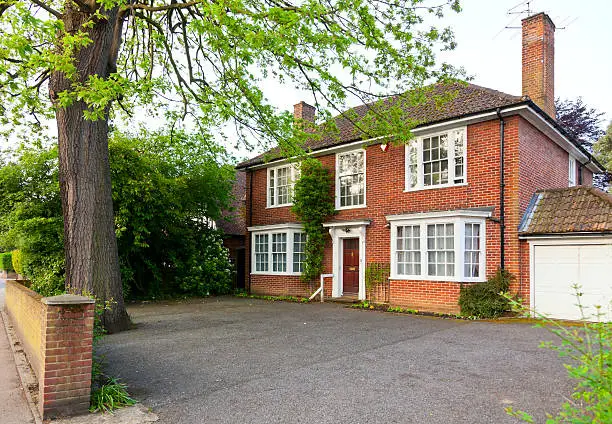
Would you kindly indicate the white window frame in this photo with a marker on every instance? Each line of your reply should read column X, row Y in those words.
column 293, row 175
column 289, row 230
column 338, row 155
column 423, row 220
column 418, row 143
column 572, row 171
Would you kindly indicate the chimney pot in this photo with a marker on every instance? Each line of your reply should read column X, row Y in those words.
column 539, row 61
column 304, row 112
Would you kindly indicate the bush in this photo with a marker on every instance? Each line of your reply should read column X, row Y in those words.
column 484, row 300
column 6, row 261
column 17, row 262
column 588, row 350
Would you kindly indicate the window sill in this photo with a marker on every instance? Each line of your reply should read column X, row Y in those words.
column 431, row 278
column 344, row 208
column 410, row 190
column 285, row 205
column 286, row 274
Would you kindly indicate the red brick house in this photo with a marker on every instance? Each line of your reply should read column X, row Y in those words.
column 441, row 211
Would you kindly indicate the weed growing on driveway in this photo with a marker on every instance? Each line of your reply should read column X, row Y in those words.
column 588, row 350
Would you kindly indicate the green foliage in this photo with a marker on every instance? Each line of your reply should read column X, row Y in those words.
column 214, row 70
column 587, row 351
column 376, row 273
column 166, row 191
column 6, row 261
column 603, row 149
column 313, row 203
column 484, row 300
column 293, row 299
column 16, row 261
column 110, row 396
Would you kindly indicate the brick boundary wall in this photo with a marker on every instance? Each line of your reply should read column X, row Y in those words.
column 57, row 336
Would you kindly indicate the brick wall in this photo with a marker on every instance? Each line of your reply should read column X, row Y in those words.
column 531, row 162
column 57, row 335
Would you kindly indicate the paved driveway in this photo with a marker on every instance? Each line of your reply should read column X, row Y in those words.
column 232, row 360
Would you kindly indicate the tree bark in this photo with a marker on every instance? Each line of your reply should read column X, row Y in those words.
column 90, row 244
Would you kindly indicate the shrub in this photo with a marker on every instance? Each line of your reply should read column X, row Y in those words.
column 16, row 259
column 6, row 261
column 588, row 350
column 484, row 300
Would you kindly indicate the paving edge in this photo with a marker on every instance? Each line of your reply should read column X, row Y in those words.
column 22, row 372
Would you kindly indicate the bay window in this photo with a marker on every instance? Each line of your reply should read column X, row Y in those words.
column 446, row 246
column 437, row 160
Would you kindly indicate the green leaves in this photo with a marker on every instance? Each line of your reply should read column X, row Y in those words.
column 313, row 203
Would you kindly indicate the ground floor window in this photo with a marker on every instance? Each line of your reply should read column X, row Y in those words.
column 447, row 248
column 278, row 252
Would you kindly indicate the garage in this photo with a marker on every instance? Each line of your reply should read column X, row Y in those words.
column 569, row 232
column 559, row 266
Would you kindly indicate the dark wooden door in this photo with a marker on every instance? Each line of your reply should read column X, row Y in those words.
column 350, row 266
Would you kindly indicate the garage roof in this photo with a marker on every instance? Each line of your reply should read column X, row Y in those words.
column 568, row 210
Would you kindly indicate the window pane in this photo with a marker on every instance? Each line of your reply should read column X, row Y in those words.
column 299, row 249
column 408, row 255
column 472, row 250
column 351, row 178
column 440, row 250
column 279, row 252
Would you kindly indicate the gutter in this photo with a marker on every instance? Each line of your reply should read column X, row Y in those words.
column 248, row 237
column 502, row 186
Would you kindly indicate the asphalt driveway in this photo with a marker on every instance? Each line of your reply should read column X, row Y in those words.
column 232, row 360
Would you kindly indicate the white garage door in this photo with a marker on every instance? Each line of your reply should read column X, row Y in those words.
column 557, row 268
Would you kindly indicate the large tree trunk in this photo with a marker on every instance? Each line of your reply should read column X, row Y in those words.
column 92, row 261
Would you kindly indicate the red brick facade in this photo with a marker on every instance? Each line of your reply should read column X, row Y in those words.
column 532, row 161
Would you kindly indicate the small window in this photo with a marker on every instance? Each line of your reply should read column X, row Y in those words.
column 261, row 252
column 441, row 250
column 408, row 250
column 279, row 252
column 471, row 260
column 572, row 172
column 280, row 185
column 435, row 160
column 351, row 179
column 299, row 251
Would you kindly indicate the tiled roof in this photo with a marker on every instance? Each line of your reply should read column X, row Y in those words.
column 465, row 99
column 233, row 221
column 568, row 210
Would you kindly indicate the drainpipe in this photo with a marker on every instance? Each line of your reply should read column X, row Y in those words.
column 248, row 271
column 502, row 186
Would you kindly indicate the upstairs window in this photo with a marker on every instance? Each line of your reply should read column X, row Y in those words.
column 436, row 160
column 572, row 172
column 281, row 180
column 350, row 179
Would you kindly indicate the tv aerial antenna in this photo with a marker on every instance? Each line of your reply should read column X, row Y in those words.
column 524, row 9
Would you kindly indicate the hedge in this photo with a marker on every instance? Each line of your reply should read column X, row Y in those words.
column 6, row 261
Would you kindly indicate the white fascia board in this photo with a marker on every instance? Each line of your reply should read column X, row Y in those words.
column 524, row 110
column 467, row 213
column 346, row 223
column 272, row 227
column 328, row 150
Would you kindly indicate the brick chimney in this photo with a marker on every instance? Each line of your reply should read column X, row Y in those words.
column 304, row 112
column 539, row 61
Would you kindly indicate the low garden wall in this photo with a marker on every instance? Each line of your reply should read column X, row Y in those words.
column 56, row 334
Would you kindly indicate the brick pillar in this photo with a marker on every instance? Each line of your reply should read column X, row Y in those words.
column 539, row 61
column 65, row 383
